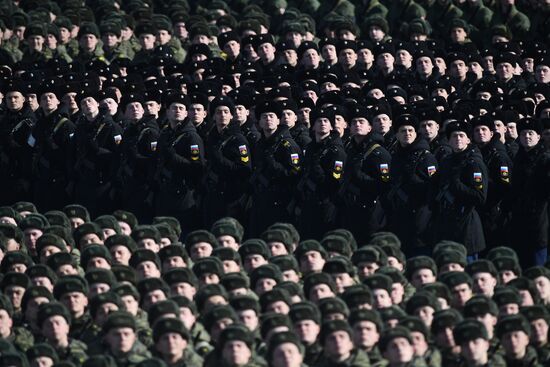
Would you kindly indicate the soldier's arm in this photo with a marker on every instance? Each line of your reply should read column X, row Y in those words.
column 474, row 190
column 243, row 164
column 375, row 171
column 286, row 161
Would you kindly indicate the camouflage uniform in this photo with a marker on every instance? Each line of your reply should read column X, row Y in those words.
column 21, row 338
column 358, row 358
column 517, row 22
column 76, row 352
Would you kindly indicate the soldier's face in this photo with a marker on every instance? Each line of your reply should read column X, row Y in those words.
column 338, row 345
column 36, row 42
column 360, row 126
column 424, row 65
column 482, row 134
column 163, row 36
column 121, row 340
column 269, row 121
column 49, row 102
column 171, row 344
column 287, row 355
column 475, row 350
column 382, row 123
column 120, row 254
column 529, row 138
column 222, row 116
column 232, row 48
column 236, row 353
column 110, row 39
column 311, row 58
column 88, row 42
column 75, row 302
column 376, row 33
column 55, row 328
column 540, row 331
column 177, row 112
column 542, row 74
column 266, row 52
column 329, row 53
column 505, row 71
column 147, row 41
column 347, row 57
column 14, row 101
column 406, row 135
column 459, row 141
column 515, row 343
column 89, row 106
column 322, row 126
column 365, row 334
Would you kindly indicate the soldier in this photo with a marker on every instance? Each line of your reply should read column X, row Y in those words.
column 165, row 37
column 20, row 337
column 111, row 38
column 95, row 155
column 171, row 341
column 54, row 320
column 366, row 179
column 53, row 133
column 89, row 48
column 146, row 33
column 367, row 327
column 412, row 169
column 35, row 35
column 120, row 340
column 277, row 169
column 230, row 164
column 462, row 186
column 180, row 166
column 323, row 173
column 299, row 132
column 243, row 102
column 514, row 332
column 507, row 14
column 530, row 192
column 285, row 350
column 139, row 158
column 337, row 340
column 306, row 321
column 17, row 123
column 72, row 292
column 493, row 215
column 472, row 337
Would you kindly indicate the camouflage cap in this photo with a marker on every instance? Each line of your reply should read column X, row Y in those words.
column 170, row 325
column 469, row 330
column 47, row 310
column 480, row 306
column 511, row 323
column 119, row 319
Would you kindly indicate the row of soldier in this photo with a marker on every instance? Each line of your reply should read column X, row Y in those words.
column 362, row 168
column 115, row 292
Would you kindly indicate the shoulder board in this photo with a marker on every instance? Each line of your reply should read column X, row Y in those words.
column 286, row 143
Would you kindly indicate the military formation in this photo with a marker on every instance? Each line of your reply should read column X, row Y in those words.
column 274, row 182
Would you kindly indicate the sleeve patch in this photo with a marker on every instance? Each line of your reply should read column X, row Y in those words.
column 154, row 146
column 117, row 138
column 195, row 152
column 431, row 170
column 504, row 173
column 477, row 177
column 295, row 158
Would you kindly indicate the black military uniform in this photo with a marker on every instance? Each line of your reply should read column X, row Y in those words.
column 96, row 159
column 530, row 192
column 229, row 165
column 413, row 167
column 53, row 135
column 494, row 214
column 323, row 174
column 16, row 150
column 366, row 179
column 462, row 188
column 138, row 165
column 180, row 169
column 277, row 167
